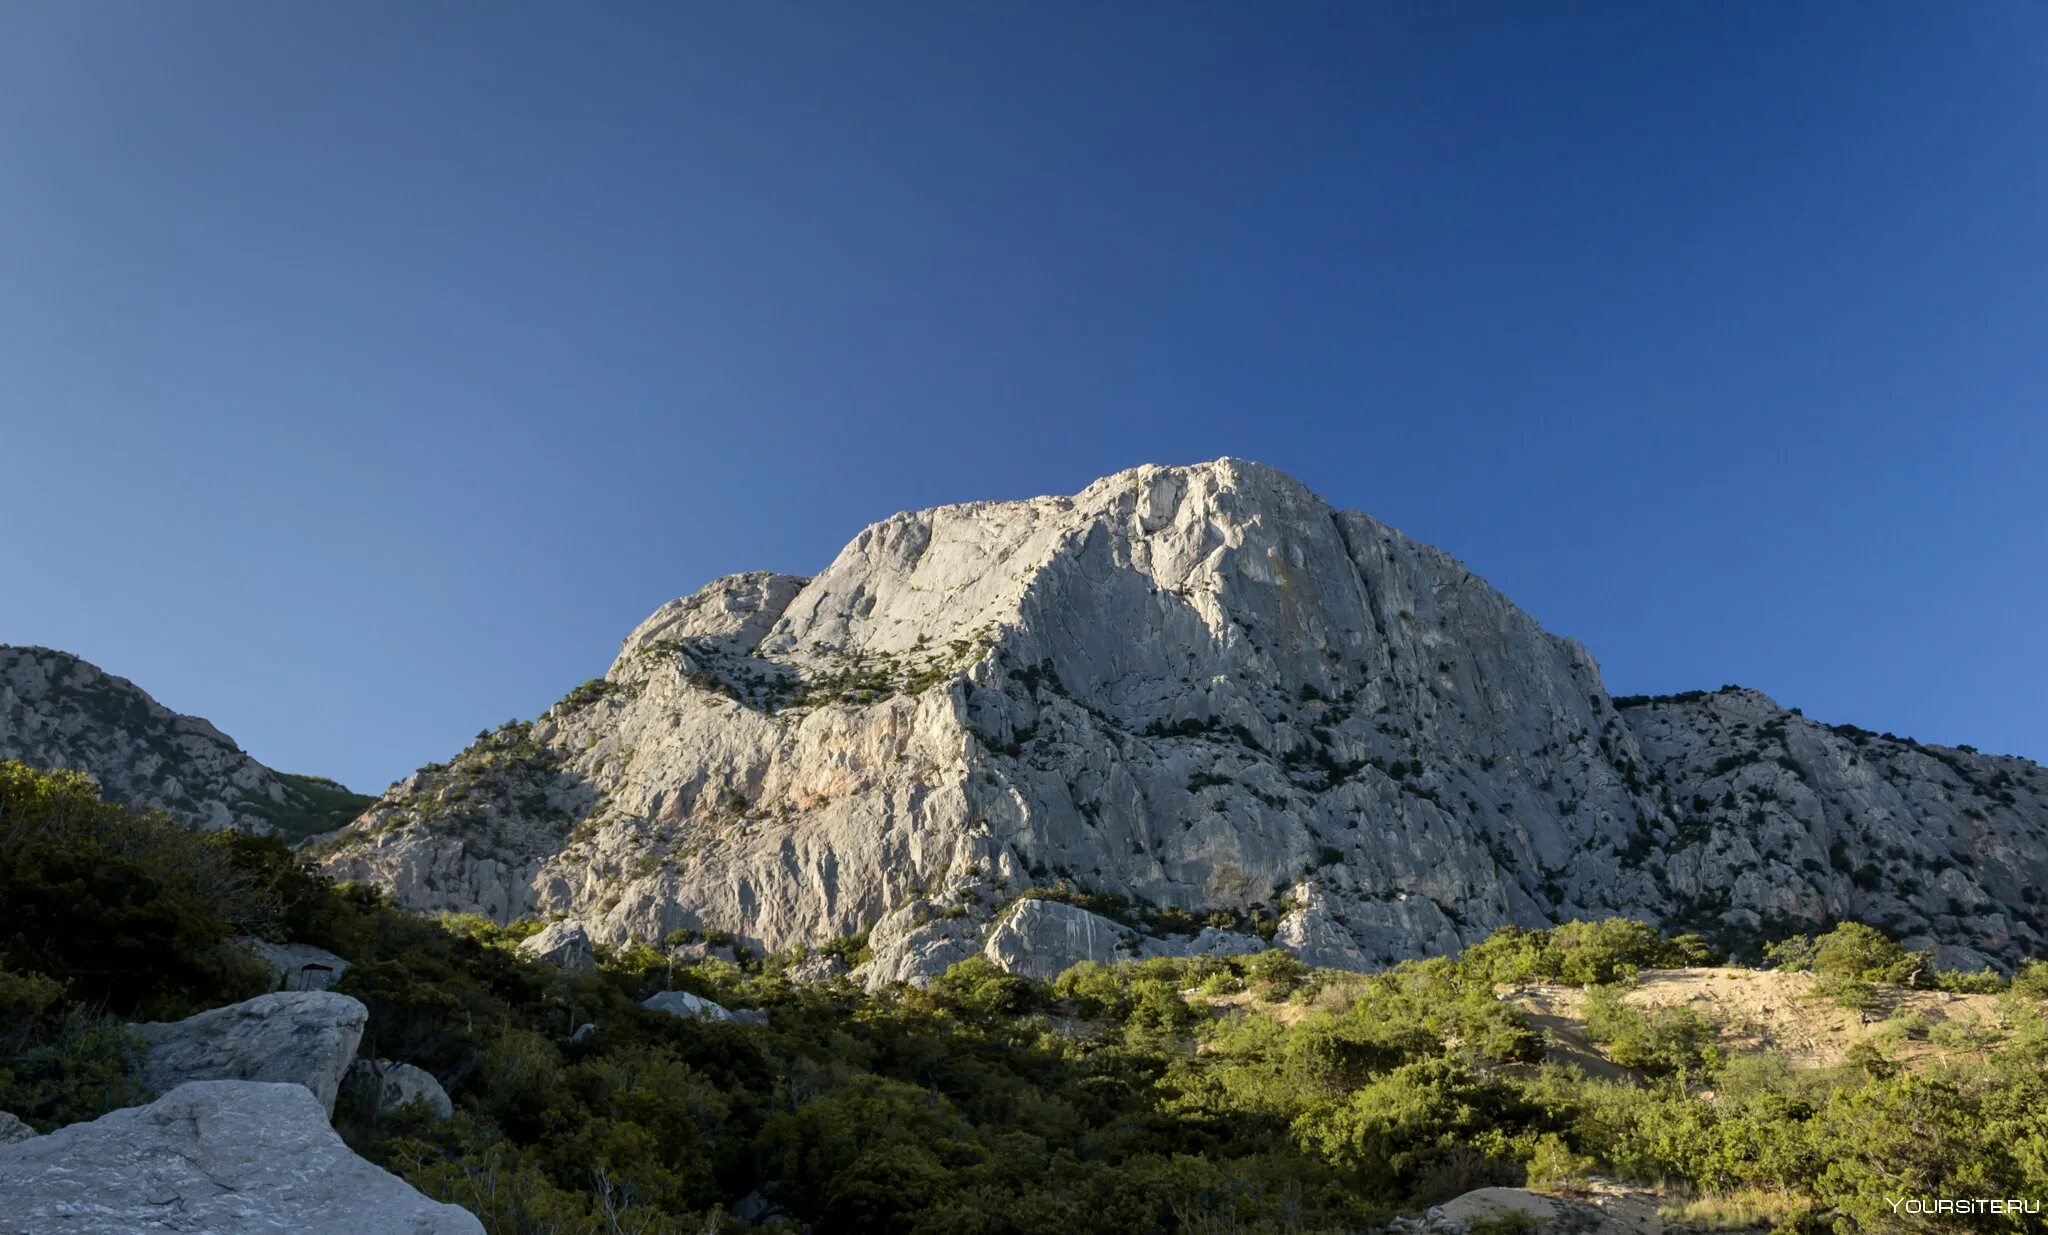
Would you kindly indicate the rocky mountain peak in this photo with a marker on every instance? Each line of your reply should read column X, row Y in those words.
column 1199, row 697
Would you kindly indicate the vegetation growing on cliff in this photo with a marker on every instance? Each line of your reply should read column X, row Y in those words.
column 1189, row 1095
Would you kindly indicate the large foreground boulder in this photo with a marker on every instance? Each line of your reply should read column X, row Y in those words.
column 220, row 1157
column 305, row 1037
column 565, row 945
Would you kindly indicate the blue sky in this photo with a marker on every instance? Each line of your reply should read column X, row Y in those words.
column 366, row 372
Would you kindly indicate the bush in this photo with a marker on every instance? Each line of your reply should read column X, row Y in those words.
column 1661, row 1042
column 1109, row 1101
column 1851, row 951
column 1583, row 953
column 1553, row 1167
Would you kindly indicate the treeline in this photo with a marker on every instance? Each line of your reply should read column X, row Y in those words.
column 1204, row 1095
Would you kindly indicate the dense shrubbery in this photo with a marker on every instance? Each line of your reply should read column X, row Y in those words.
column 1583, row 953
column 1200, row 1095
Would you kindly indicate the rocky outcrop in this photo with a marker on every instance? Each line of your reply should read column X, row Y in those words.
column 378, row 1086
column 686, row 1005
column 296, row 966
column 816, row 967
column 1771, row 822
column 305, row 1038
column 917, row 942
column 223, row 1157
column 565, row 945
column 1604, row 1209
column 59, row 712
column 1198, row 692
column 12, row 1130
column 1043, row 939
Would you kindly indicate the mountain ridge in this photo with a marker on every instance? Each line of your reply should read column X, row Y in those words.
column 60, row 711
column 1198, row 690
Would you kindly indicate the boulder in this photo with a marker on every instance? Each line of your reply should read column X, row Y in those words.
column 305, row 1037
column 12, row 1130
column 383, row 1086
column 221, row 1157
column 296, row 966
column 1605, row 1211
column 683, row 1003
column 565, row 945
column 1042, row 939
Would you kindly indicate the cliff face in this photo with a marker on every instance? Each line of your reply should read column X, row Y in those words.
column 1203, row 694
column 59, row 712
column 1773, row 822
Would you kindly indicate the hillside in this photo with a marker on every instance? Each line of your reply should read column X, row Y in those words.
column 1176, row 1096
column 1202, row 699
column 58, row 712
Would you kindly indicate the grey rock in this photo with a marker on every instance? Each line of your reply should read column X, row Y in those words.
column 1317, row 934
column 583, row 1032
column 685, row 1004
column 1615, row 1212
column 1042, row 939
column 381, row 1086
column 1209, row 941
column 220, row 1157
column 306, row 1038
column 13, row 1130
column 296, row 966
column 817, row 967
column 691, row 953
column 917, row 942
column 58, row 712
column 756, row 1207
column 565, row 945
column 1199, row 688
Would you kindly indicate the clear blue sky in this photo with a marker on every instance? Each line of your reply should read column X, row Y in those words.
column 367, row 371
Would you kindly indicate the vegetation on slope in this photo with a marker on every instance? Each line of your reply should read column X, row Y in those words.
column 312, row 805
column 1202, row 1095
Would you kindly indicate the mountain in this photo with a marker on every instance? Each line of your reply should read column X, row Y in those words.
column 1204, row 706
column 57, row 711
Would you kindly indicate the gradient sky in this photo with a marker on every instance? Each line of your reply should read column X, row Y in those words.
column 367, row 372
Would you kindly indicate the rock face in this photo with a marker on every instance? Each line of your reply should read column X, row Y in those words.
column 385, row 1086
column 1042, row 939
column 305, row 1038
column 816, row 967
column 58, row 712
column 12, row 1130
column 221, row 1157
column 1205, row 695
column 565, row 945
column 917, row 942
column 1769, row 821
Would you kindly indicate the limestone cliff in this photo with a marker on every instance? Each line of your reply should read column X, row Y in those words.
column 59, row 712
column 1197, row 697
